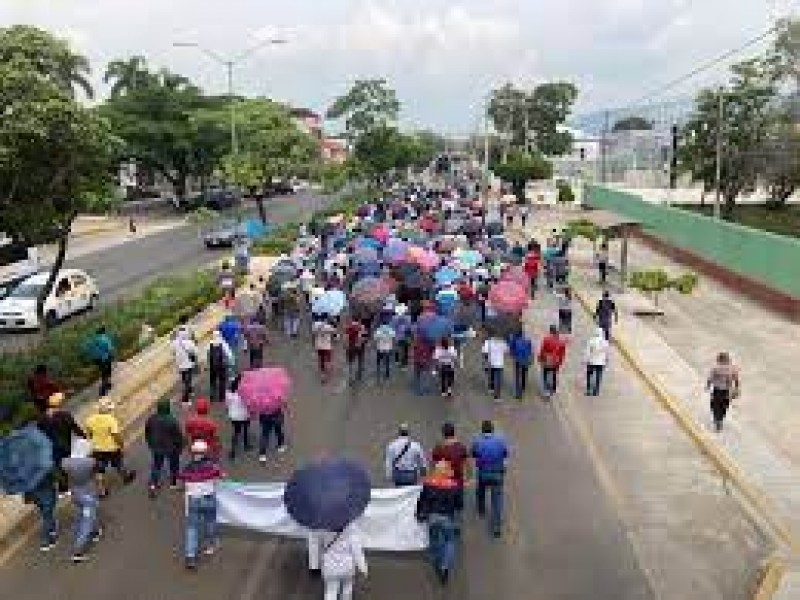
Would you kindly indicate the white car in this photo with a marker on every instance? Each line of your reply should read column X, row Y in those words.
column 73, row 292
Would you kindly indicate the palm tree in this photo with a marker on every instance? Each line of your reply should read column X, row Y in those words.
column 127, row 74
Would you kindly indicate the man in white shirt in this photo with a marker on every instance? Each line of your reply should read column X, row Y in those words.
column 596, row 361
column 184, row 350
column 494, row 351
column 384, row 343
column 405, row 459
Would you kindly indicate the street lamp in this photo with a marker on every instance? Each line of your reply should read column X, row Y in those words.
column 229, row 63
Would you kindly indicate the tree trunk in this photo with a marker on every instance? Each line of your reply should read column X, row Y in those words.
column 728, row 206
column 262, row 213
column 61, row 255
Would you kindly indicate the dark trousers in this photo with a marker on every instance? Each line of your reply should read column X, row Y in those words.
column 602, row 268
column 241, row 432
column 606, row 327
column 447, row 377
column 565, row 320
column 159, row 459
column 549, row 380
column 720, row 401
column 493, row 485
column 256, row 354
column 383, row 363
column 495, row 381
column 217, row 383
column 105, row 366
column 401, row 354
column 594, row 376
column 270, row 423
column 186, row 380
column 355, row 362
column 520, row 379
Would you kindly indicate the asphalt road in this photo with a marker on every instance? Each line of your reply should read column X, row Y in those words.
column 121, row 270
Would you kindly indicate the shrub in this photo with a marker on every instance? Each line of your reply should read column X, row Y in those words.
column 655, row 281
column 582, row 228
column 565, row 193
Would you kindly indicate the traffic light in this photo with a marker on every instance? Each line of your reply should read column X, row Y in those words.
column 583, row 153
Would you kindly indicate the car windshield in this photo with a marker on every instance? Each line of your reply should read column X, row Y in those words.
column 26, row 290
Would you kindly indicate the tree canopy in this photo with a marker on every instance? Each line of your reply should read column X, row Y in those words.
column 632, row 124
column 368, row 104
column 520, row 168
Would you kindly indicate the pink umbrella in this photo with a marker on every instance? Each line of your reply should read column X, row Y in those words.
column 380, row 233
column 516, row 275
column 509, row 297
column 265, row 390
column 427, row 259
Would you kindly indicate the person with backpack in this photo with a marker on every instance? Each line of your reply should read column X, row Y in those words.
column 438, row 504
column 199, row 477
column 164, row 438
column 101, row 350
column 402, row 324
column 384, row 346
column 446, row 357
column 184, row 351
column 404, row 459
column 551, row 356
column 200, row 426
column 220, row 364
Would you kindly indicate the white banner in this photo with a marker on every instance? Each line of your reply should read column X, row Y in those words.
column 387, row 524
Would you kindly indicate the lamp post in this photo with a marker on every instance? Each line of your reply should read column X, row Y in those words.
column 229, row 63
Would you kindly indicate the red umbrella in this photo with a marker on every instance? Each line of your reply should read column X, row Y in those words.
column 509, row 297
column 380, row 232
column 428, row 224
column 265, row 390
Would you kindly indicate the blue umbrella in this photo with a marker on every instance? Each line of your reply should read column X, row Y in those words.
column 368, row 242
column 255, row 229
column 26, row 457
column 434, row 327
column 328, row 495
column 365, row 254
column 331, row 302
column 498, row 243
column 368, row 269
column 445, row 276
column 447, row 301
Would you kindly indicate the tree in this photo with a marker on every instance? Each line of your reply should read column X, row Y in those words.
column 56, row 156
column 656, row 281
column 783, row 59
column 632, row 124
column 369, row 104
column 748, row 116
column 49, row 56
column 127, row 74
column 521, row 167
column 381, row 150
column 779, row 164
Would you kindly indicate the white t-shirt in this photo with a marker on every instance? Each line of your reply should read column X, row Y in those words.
column 324, row 333
column 495, row 351
column 384, row 338
column 597, row 351
column 445, row 356
column 237, row 411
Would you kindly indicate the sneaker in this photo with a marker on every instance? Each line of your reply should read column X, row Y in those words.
column 48, row 545
column 79, row 557
column 282, row 449
column 211, row 549
column 174, row 486
column 152, row 491
column 262, row 458
column 97, row 535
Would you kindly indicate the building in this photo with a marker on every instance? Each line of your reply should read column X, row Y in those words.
column 308, row 121
column 334, row 150
column 582, row 159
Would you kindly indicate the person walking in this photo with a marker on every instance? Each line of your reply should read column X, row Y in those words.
column 565, row 310
column 101, row 350
column 164, row 438
column 601, row 259
column 40, row 387
column 227, row 284
column 494, row 351
column 384, row 344
column 324, row 333
column 292, row 308
column 255, row 334
column 724, row 385
column 596, row 360
column 532, row 264
column 446, row 357
column 80, row 469
column 60, row 427
column 605, row 313
column 199, row 477
column 231, row 330
column 490, row 452
column 356, row 340
column 184, row 351
column 271, row 422
column 551, row 356
column 220, row 364
column 239, row 417
column 342, row 556
column 200, row 426
column 45, row 497
column 404, row 459
column 437, row 505
column 520, row 347
column 452, row 450
column 422, row 357
column 103, row 431
column 401, row 322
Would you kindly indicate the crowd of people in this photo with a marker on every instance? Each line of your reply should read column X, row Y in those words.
column 409, row 284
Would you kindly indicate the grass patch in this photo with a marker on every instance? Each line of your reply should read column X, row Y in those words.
column 781, row 221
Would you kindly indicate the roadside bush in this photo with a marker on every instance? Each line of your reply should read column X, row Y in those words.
column 160, row 305
column 565, row 193
column 655, row 281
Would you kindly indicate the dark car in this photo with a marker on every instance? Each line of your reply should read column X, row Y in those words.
column 221, row 199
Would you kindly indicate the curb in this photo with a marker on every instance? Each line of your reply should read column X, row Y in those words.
column 768, row 586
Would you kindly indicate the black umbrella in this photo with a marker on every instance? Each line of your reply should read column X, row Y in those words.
column 503, row 325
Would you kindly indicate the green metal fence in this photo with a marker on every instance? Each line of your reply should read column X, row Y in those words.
column 771, row 259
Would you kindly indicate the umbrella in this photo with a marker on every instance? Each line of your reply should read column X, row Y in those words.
column 445, row 276
column 498, row 243
column 265, row 390
column 26, row 457
column 328, row 495
column 503, row 325
column 516, row 275
column 426, row 259
column 469, row 258
column 380, row 233
column 368, row 242
column 447, row 244
column 332, row 302
column 494, row 228
column 255, row 229
column 365, row 254
column 433, row 327
column 467, row 313
column 395, row 251
column 509, row 297
column 368, row 269
column 446, row 301
column 370, row 293
column 428, row 224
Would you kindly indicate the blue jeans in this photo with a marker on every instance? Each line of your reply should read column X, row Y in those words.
column 442, row 534
column 594, row 375
column 85, row 521
column 44, row 499
column 269, row 423
column 495, row 380
column 493, row 483
column 520, row 378
column 201, row 524
column 159, row 458
column 291, row 324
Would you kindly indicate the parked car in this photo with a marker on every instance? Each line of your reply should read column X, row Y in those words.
column 222, row 234
column 74, row 291
column 214, row 198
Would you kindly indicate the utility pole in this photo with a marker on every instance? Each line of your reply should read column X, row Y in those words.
column 604, row 148
column 232, row 101
column 718, row 176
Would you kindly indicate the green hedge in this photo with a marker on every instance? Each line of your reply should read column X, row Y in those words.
column 160, row 305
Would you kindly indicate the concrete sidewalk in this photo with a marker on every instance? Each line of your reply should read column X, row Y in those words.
column 758, row 448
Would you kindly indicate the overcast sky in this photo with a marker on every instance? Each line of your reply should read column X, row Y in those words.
column 441, row 56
